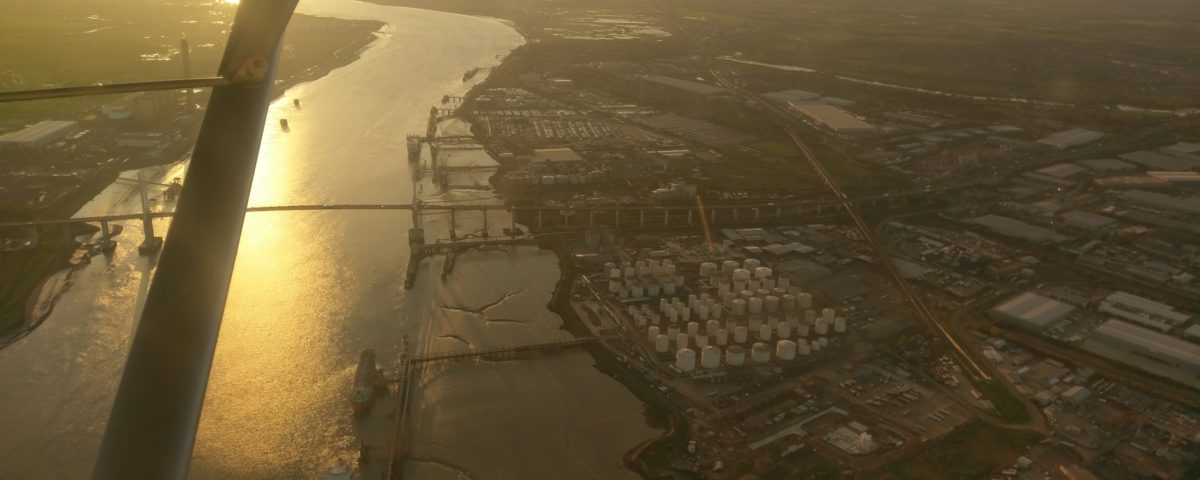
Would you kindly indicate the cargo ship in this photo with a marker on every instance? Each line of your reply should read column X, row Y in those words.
column 363, row 394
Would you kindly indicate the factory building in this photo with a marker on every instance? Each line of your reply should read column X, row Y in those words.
column 1018, row 229
column 687, row 85
column 1088, row 221
column 1147, row 350
column 1107, row 165
column 833, row 118
column 1071, row 138
column 39, row 134
column 1163, row 202
column 1030, row 312
column 1143, row 311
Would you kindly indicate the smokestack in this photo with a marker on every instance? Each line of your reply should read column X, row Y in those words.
column 185, row 54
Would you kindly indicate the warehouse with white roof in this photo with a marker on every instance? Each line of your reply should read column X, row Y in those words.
column 1159, row 354
column 39, row 134
column 1031, row 312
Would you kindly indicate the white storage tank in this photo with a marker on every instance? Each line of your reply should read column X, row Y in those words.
column 637, row 291
column 756, row 305
column 711, row 327
column 804, row 300
column 816, row 346
column 771, row 303
column 741, row 274
column 691, row 300
column 672, row 331
column 839, row 324
column 764, row 332
column 722, row 287
column 652, row 333
column 751, row 264
column 681, row 341
column 702, row 312
column 661, row 344
column 810, row 317
column 760, row 352
column 802, row 330
column 827, row 315
column 708, row 269
column 789, row 302
column 822, row 327
column 672, row 314
column 739, row 285
column 710, row 357
column 728, row 266
column 785, row 350
column 714, row 312
column 653, row 289
column 762, row 273
column 722, row 337
column 762, row 293
column 614, row 287
column 740, row 334
column 693, row 328
column 614, row 274
column 701, row 340
column 685, row 360
column 804, row 348
column 668, row 288
column 739, row 307
column 735, row 356
column 746, row 295
column 784, row 329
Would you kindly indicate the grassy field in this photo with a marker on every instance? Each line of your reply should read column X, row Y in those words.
column 72, row 42
column 972, row 452
column 1008, row 406
column 1076, row 51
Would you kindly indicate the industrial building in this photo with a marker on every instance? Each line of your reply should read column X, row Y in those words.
column 1107, row 165
column 1018, row 229
column 1071, row 138
column 1143, row 311
column 1088, row 221
column 687, row 85
column 556, row 155
column 1147, row 350
column 1160, row 161
column 39, row 134
column 1189, row 206
column 833, row 118
column 1031, row 312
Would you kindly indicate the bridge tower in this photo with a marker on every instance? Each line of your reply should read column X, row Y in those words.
column 152, row 242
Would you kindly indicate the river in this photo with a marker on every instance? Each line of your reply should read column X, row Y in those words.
column 312, row 289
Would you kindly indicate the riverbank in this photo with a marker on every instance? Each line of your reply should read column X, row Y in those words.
column 326, row 45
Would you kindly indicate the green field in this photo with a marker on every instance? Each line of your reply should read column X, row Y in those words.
column 68, row 42
column 972, row 452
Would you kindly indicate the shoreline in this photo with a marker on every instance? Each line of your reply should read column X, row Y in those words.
column 30, row 316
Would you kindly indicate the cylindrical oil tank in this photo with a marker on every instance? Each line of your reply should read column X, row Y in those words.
column 762, row 273
column 701, row 340
column 728, row 266
column 822, row 327
column 802, row 330
column 735, row 356
column 827, row 314
column 723, row 286
column 685, row 360
column 681, row 341
column 804, row 348
column 739, row 285
column 653, row 289
column 816, row 346
column 764, row 332
column 710, row 357
column 637, row 290
column 741, row 274
column 672, row 314
column 739, row 307
column 661, row 344
column 789, row 302
column 707, row 269
column 804, row 300
column 785, row 350
column 672, row 331
column 714, row 312
column 771, row 303
column 762, row 293
column 711, row 327
column 839, row 324
column 702, row 312
column 668, row 288
column 746, row 295
column 739, row 334
column 760, row 352
column 769, row 284
column 722, row 337
column 652, row 333
column 810, row 316
column 630, row 272
column 756, row 305
column 614, row 274
column 751, row 264
column 693, row 328
column 614, row 286
column 691, row 300
column 784, row 329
